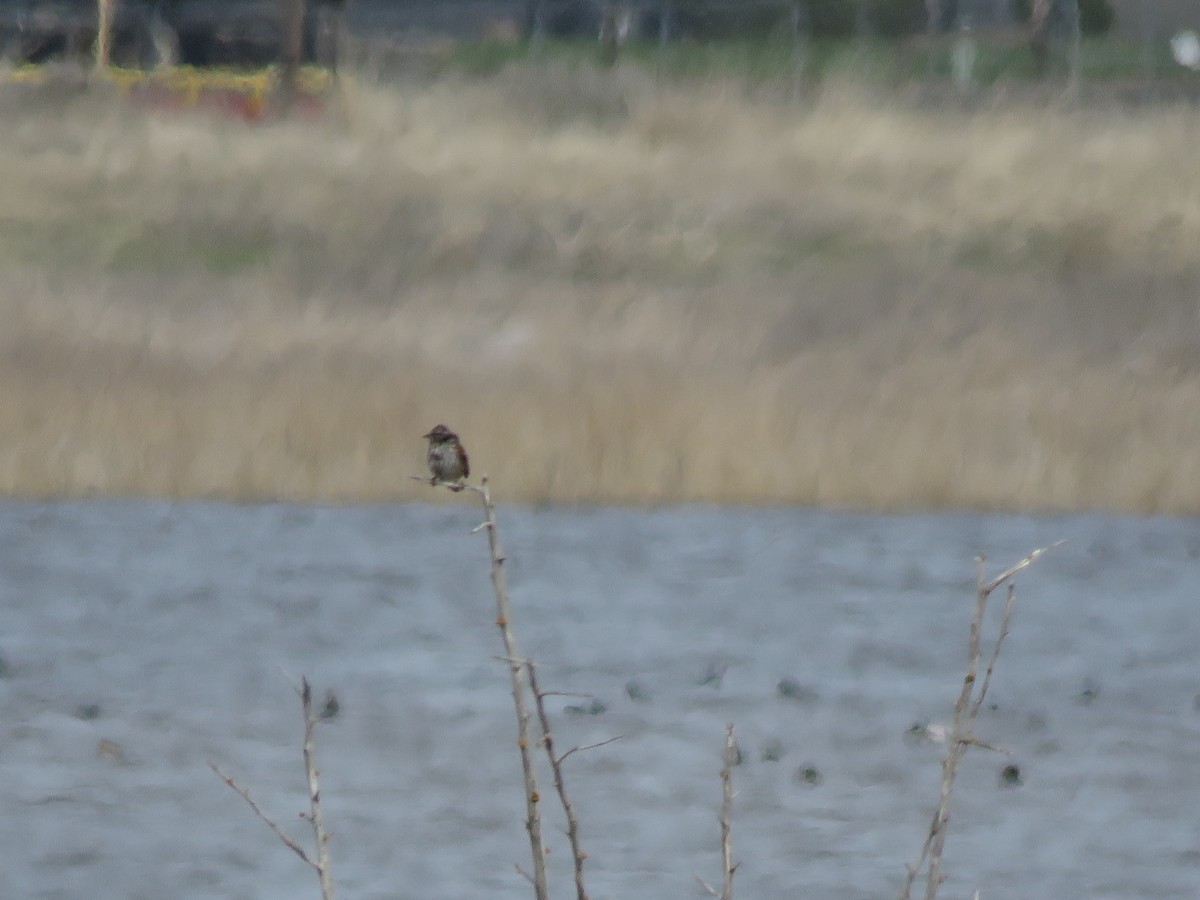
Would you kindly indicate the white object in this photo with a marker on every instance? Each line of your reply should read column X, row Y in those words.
column 962, row 60
column 1185, row 47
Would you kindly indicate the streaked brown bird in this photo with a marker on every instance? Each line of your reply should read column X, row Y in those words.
column 447, row 458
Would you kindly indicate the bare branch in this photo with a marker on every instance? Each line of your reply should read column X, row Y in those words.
column 314, row 816
column 966, row 711
column 1017, row 567
column 610, row 740
column 1005, row 619
column 729, row 867
column 320, row 835
column 515, row 662
column 912, row 871
column 279, row 832
column 511, row 660
column 955, row 746
column 292, row 682
column 971, row 741
column 577, row 853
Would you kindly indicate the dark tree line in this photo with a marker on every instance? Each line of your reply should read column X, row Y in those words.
column 192, row 32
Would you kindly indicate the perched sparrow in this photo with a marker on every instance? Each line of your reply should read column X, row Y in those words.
column 446, row 457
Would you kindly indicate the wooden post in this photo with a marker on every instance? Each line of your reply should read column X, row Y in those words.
column 1039, row 36
column 799, row 27
column 609, row 39
column 665, row 26
column 933, row 24
column 292, row 17
column 537, row 28
column 105, row 13
column 1075, row 49
column 335, row 37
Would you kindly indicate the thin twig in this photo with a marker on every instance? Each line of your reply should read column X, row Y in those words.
column 955, row 749
column 966, row 711
column 1017, row 567
column 971, row 741
column 320, row 835
column 515, row 663
column 912, row 871
column 287, row 676
column 279, row 832
column 577, row 853
column 729, row 867
column 1005, row 619
column 591, row 746
column 315, row 818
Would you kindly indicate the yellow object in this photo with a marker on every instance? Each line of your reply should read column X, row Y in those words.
column 190, row 83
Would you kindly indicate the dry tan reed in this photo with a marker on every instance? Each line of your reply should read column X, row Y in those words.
column 613, row 289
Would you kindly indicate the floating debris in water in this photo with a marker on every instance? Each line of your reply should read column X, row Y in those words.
column 1047, row 748
column 808, row 774
column 1010, row 776
column 332, row 707
column 922, row 733
column 791, row 689
column 636, row 692
column 595, row 708
column 1088, row 694
column 88, row 711
column 773, row 751
column 713, row 674
column 110, row 750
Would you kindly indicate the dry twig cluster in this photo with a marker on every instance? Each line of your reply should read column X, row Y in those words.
column 966, row 711
column 515, row 662
column 523, row 675
column 517, row 665
column 315, row 818
column 726, row 819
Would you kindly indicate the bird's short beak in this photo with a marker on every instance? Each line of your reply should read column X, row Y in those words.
column 427, row 434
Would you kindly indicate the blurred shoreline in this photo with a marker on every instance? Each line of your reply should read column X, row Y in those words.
column 617, row 291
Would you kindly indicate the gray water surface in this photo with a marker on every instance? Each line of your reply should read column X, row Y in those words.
column 162, row 627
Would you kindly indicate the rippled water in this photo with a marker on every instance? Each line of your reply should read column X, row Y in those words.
column 162, row 628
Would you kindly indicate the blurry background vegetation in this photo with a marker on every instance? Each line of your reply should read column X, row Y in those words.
column 717, row 270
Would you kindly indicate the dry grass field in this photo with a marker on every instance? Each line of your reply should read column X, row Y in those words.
column 616, row 291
